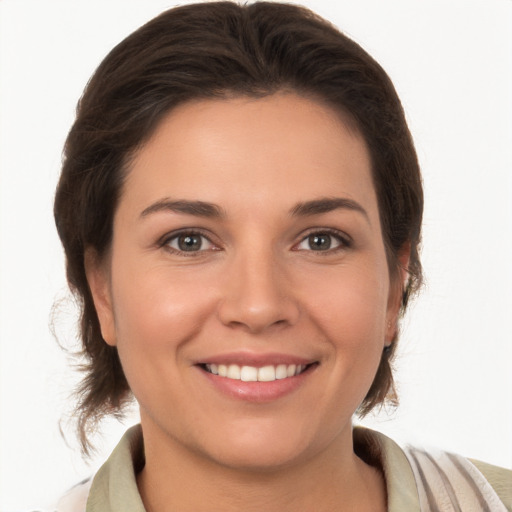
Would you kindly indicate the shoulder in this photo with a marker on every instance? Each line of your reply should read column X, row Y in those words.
column 418, row 479
column 443, row 477
column 499, row 478
column 75, row 500
column 114, row 485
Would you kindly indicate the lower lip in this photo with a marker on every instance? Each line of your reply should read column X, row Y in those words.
column 258, row 392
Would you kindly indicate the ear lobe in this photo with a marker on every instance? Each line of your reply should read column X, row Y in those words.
column 397, row 287
column 98, row 278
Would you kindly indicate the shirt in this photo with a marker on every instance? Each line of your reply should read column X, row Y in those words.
column 416, row 480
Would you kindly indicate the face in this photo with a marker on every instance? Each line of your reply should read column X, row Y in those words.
column 247, row 287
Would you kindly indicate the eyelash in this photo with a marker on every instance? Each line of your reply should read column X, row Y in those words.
column 165, row 242
column 343, row 240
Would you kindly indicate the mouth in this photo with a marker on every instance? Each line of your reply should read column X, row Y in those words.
column 268, row 373
column 257, row 378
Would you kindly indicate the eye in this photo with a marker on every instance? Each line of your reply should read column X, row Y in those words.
column 188, row 241
column 322, row 241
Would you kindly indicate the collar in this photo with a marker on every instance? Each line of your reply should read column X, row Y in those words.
column 114, row 488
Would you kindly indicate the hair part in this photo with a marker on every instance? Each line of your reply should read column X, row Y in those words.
column 209, row 51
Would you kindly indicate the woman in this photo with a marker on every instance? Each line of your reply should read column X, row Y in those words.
column 240, row 206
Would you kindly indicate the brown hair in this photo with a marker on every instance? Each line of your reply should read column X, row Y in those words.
column 212, row 50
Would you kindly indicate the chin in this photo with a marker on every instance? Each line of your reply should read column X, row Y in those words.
column 265, row 447
column 256, row 458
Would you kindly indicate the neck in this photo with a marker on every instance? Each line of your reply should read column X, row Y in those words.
column 175, row 478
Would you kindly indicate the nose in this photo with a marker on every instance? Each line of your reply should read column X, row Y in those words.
column 257, row 294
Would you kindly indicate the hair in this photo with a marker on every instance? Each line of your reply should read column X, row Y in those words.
column 210, row 51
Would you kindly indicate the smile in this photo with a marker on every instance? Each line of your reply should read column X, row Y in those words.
column 267, row 373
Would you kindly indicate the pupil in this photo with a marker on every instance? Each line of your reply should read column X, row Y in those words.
column 189, row 242
column 320, row 242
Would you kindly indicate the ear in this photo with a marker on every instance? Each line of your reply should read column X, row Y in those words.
column 398, row 284
column 98, row 278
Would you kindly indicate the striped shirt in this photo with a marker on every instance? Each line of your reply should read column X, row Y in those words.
column 416, row 480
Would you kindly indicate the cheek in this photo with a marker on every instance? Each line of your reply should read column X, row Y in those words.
column 156, row 315
column 351, row 305
column 155, row 311
column 352, row 317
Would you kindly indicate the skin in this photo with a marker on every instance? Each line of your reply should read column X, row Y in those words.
column 255, row 286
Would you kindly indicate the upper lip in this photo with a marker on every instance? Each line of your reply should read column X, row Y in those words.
column 255, row 359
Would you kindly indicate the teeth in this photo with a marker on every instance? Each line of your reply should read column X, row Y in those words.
column 249, row 374
column 266, row 374
column 281, row 371
column 252, row 374
column 234, row 372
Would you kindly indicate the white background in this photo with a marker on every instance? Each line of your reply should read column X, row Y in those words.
column 451, row 63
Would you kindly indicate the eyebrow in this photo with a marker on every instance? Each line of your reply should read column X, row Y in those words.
column 211, row 210
column 197, row 208
column 325, row 205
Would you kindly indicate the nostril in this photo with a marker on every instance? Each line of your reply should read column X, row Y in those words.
column 241, row 314
column 254, row 298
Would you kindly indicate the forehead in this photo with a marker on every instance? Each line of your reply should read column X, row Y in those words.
column 282, row 148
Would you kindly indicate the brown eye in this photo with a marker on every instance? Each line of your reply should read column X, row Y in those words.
column 322, row 241
column 189, row 242
column 319, row 242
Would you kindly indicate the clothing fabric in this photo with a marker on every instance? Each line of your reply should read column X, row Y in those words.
column 416, row 480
